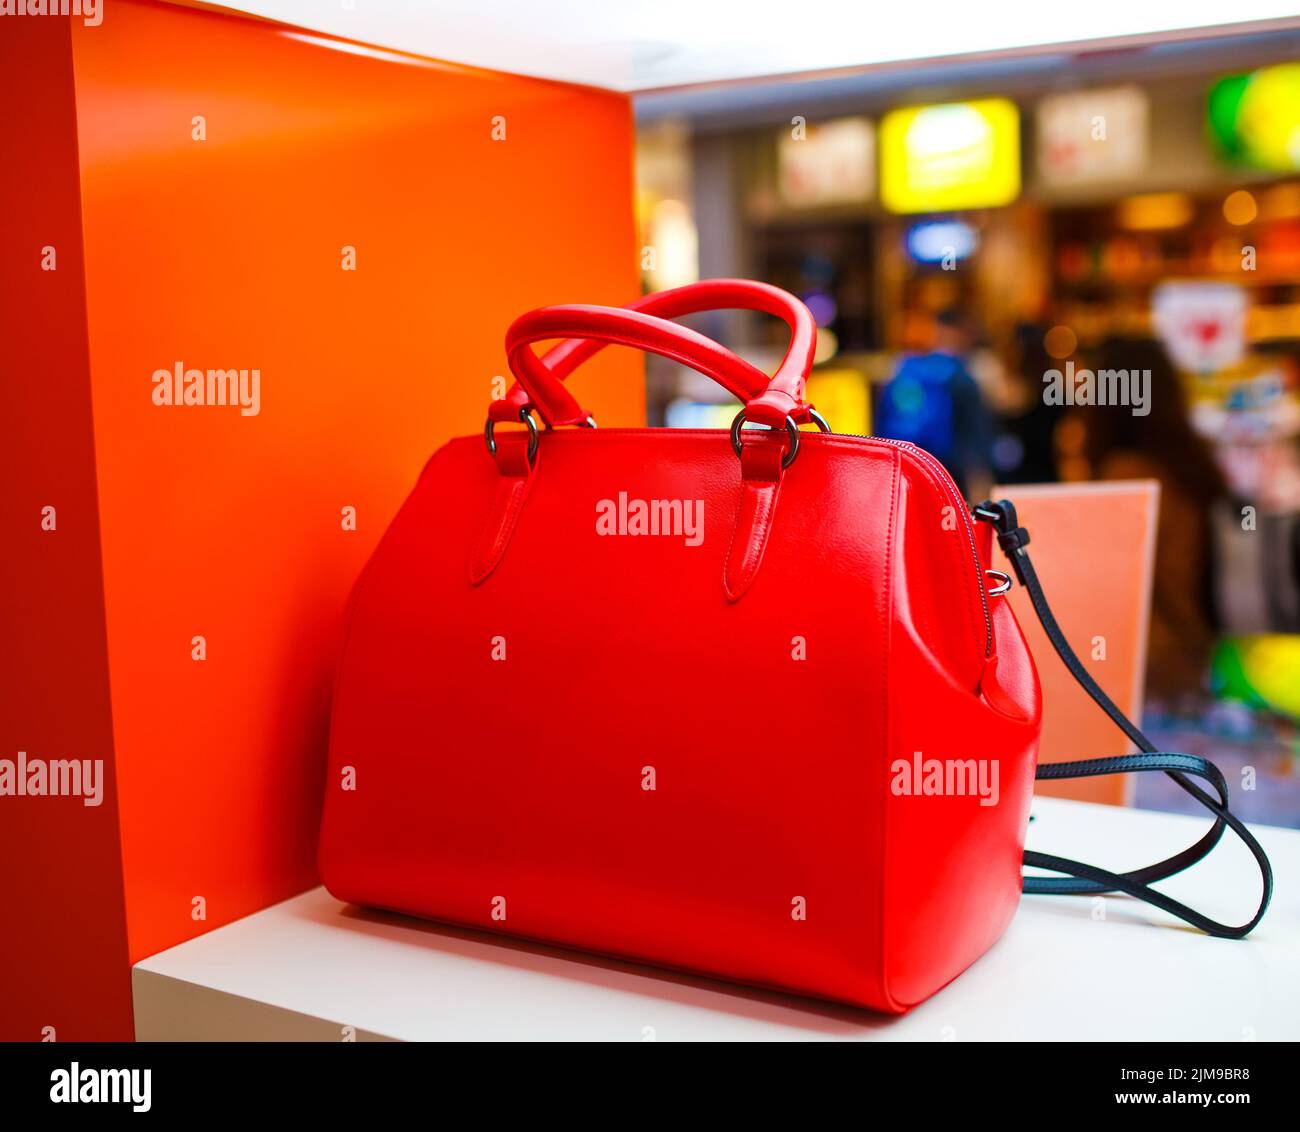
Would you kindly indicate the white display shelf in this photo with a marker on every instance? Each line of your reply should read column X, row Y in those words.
column 311, row 968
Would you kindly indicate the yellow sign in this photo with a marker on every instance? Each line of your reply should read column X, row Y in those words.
column 843, row 398
column 951, row 156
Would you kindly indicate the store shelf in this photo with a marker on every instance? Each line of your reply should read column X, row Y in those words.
column 311, row 968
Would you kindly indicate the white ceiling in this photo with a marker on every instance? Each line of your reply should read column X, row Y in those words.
column 634, row 45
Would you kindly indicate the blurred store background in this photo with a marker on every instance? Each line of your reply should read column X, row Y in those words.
column 961, row 232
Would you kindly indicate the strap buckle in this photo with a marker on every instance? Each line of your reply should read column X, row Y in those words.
column 1012, row 537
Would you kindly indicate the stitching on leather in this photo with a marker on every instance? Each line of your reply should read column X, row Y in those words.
column 757, row 510
column 589, row 435
column 727, row 586
column 762, row 527
column 975, row 613
column 734, row 575
column 881, row 682
column 487, row 557
column 924, row 612
column 513, row 506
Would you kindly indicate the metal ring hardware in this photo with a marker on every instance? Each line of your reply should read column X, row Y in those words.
column 790, row 427
column 527, row 418
column 1004, row 586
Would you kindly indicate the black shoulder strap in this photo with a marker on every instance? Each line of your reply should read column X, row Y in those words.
column 1087, row 879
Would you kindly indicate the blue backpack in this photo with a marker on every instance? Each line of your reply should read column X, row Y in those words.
column 917, row 404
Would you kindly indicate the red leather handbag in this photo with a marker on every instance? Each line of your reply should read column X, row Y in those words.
column 746, row 705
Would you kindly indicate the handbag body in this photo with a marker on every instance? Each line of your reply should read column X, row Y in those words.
column 747, row 706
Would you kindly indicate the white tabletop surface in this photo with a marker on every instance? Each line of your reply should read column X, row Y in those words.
column 311, row 967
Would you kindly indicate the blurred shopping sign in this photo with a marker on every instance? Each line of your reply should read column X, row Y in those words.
column 832, row 163
column 1202, row 324
column 950, row 156
column 1092, row 135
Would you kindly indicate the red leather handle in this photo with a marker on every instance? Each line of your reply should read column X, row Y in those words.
column 554, row 403
column 590, row 328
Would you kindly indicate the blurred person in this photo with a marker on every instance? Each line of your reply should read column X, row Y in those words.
column 1023, row 448
column 932, row 401
column 1115, row 444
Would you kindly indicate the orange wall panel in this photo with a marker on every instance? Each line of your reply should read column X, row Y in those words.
column 226, row 251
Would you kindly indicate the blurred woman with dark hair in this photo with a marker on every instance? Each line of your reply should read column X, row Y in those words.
column 1110, row 442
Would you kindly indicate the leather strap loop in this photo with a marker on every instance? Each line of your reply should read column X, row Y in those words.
column 762, row 468
column 1088, row 879
column 515, row 465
